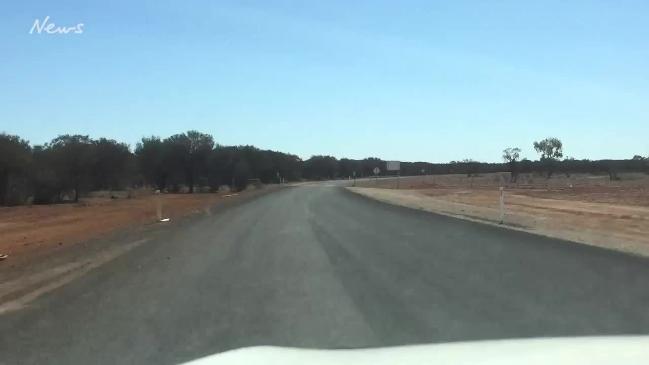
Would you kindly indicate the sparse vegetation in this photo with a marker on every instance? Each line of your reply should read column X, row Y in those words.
column 551, row 150
column 511, row 156
column 71, row 165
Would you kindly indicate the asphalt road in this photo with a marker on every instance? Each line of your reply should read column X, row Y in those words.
column 316, row 266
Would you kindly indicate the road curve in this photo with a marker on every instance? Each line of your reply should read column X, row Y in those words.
column 317, row 266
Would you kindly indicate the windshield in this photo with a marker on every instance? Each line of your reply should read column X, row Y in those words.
column 180, row 179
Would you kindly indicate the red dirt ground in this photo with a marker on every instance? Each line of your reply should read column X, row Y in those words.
column 28, row 228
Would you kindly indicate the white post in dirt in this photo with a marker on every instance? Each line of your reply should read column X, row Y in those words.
column 158, row 205
column 502, row 205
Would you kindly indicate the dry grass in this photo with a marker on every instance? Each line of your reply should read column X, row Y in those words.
column 582, row 208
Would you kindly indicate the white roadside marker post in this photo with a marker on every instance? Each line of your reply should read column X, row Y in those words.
column 502, row 205
column 158, row 205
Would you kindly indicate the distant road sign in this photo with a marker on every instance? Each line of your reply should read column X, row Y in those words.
column 393, row 165
column 376, row 170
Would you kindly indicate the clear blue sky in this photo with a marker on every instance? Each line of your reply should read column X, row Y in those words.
column 407, row 80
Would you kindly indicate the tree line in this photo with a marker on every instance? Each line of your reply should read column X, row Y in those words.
column 70, row 165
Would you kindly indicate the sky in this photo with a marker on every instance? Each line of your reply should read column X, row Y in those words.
column 400, row 80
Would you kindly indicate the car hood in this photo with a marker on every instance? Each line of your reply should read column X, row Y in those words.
column 574, row 350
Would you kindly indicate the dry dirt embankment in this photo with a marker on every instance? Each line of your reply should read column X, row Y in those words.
column 29, row 229
column 610, row 216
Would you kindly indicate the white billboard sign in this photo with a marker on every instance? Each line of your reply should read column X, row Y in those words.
column 393, row 165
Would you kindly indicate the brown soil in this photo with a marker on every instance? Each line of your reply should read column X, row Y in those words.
column 29, row 228
column 583, row 209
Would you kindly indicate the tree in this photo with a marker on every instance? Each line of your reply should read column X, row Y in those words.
column 188, row 154
column 347, row 167
column 511, row 156
column 46, row 185
column 15, row 157
column 150, row 157
column 321, row 167
column 220, row 167
column 259, row 164
column 470, row 167
column 551, row 149
column 112, row 165
column 640, row 163
column 72, row 158
column 368, row 164
column 289, row 166
column 242, row 174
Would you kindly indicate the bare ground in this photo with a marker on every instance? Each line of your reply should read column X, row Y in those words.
column 583, row 209
column 27, row 229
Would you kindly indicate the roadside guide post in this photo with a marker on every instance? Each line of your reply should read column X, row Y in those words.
column 158, row 205
column 354, row 173
column 502, row 205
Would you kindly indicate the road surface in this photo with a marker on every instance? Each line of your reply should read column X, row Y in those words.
column 317, row 266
